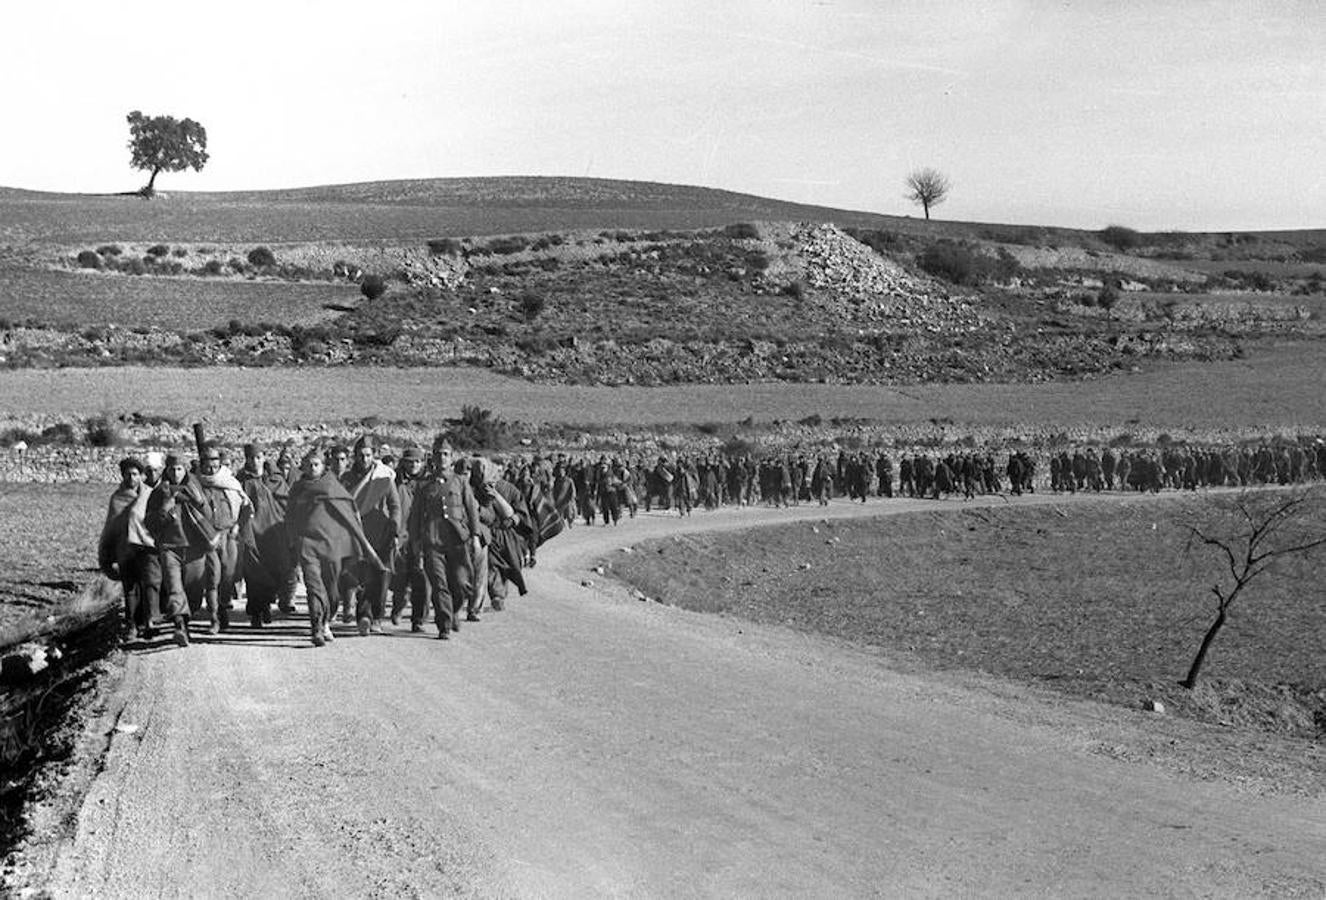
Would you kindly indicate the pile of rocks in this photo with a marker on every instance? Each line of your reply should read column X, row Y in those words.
column 854, row 282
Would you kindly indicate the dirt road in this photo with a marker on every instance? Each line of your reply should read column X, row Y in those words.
column 583, row 743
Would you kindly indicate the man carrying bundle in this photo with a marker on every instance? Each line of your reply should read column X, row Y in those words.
column 372, row 484
column 189, row 521
column 327, row 541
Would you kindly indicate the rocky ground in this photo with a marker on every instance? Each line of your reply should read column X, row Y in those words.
column 756, row 302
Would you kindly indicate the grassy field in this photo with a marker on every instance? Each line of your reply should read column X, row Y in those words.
column 1277, row 386
column 48, row 548
column 1098, row 599
column 81, row 299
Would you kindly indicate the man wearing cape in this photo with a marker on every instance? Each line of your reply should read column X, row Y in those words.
column 327, row 539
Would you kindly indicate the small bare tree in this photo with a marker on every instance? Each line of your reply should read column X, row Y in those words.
column 1260, row 528
column 928, row 187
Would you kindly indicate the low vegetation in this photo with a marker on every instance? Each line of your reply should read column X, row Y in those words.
column 1106, row 601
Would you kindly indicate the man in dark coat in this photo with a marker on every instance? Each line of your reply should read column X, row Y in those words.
column 265, row 546
column 327, row 540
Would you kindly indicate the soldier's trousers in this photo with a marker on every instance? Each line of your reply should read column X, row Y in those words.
column 140, row 578
column 450, row 582
column 322, row 582
column 188, row 575
column 409, row 582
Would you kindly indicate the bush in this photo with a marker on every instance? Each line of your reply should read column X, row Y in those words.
column 531, row 305
column 742, row 231
column 133, row 266
column 1120, row 237
column 373, row 286
column 477, row 429
column 102, row 431
column 110, row 250
column 445, row 247
column 11, row 436
column 158, row 250
column 237, row 265
column 1108, row 296
column 88, row 259
column 261, row 257
column 795, row 289
column 879, row 241
column 212, row 267
column 949, row 261
column 180, row 252
column 59, row 433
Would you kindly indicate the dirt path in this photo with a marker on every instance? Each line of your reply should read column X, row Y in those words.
column 584, row 743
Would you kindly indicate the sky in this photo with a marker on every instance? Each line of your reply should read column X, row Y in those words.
column 1180, row 114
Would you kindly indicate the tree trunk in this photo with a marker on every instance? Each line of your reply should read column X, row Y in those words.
column 926, row 207
column 149, row 189
column 1193, row 671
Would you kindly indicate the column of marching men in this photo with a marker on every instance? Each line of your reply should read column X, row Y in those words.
column 376, row 537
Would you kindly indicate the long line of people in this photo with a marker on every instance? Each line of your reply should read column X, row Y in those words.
column 379, row 536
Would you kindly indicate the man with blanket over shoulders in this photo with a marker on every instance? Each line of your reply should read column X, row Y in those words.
column 372, row 484
column 327, row 540
column 126, row 552
column 265, row 546
column 188, row 519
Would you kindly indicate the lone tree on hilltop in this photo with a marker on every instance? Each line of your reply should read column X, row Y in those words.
column 1256, row 531
column 928, row 187
column 165, row 144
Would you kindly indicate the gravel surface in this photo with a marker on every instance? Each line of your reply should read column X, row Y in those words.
column 584, row 743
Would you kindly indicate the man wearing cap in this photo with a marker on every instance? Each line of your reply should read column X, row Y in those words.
column 188, row 521
column 408, row 576
column 444, row 533
column 373, row 487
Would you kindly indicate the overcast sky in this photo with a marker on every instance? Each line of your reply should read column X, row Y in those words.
column 1189, row 115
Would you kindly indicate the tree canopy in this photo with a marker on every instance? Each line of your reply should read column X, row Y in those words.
column 928, row 187
column 165, row 144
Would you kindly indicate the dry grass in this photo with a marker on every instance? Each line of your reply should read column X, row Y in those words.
column 1097, row 599
column 1277, row 385
column 78, row 299
column 49, row 549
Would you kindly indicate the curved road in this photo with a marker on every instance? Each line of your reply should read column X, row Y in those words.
column 586, row 744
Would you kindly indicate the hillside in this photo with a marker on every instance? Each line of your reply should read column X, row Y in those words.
column 613, row 282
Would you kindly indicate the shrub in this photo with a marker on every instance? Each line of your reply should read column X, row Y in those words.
column 59, row 433
column 742, row 231
column 531, row 305
column 11, row 436
column 110, row 250
column 1120, row 237
column 795, row 289
column 212, row 267
column 158, row 250
column 133, row 266
column 261, row 257
column 506, row 245
column 1108, row 296
column 445, row 247
column 477, row 429
column 88, row 259
column 237, row 265
column 180, row 252
column 373, row 286
column 950, row 261
column 102, row 431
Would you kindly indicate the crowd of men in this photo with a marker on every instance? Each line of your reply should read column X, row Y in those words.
column 377, row 535
column 371, row 534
